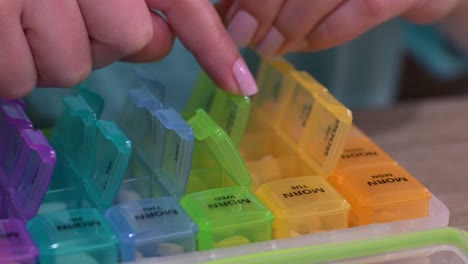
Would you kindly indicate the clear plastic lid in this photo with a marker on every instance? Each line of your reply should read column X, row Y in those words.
column 161, row 138
column 217, row 162
column 16, row 246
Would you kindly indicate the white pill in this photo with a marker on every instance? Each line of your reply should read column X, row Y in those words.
column 77, row 258
column 127, row 196
column 167, row 249
column 51, row 207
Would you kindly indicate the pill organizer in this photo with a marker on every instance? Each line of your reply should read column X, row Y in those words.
column 221, row 173
column 209, row 186
column 278, row 170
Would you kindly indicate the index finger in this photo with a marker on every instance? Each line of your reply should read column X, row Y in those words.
column 200, row 29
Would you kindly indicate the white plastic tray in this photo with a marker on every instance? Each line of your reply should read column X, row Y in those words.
column 438, row 217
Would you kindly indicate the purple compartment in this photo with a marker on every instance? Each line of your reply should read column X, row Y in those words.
column 12, row 119
column 16, row 245
column 29, row 182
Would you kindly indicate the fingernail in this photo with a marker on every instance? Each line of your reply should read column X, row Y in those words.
column 271, row 43
column 245, row 81
column 242, row 28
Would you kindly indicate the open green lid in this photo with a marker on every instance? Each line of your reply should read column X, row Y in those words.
column 216, row 160
column 231, row 112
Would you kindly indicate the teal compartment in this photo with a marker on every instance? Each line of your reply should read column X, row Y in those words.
column 72, row 138
column 74, row 236
column 93, row 159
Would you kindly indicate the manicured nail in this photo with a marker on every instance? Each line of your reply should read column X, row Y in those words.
column 242, row 28
column 245, row 81
column 272, row 42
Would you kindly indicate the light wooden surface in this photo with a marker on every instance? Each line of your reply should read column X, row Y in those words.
column 429, row 139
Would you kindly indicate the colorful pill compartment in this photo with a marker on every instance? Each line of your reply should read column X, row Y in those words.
column 16, row 245
column 218, row 172
column 26, row 164
column 93, row 156
column 218, row 196
column 230, row 112
column 74, row 236
column 293, row 140
column 378, row 189
column 147, row 217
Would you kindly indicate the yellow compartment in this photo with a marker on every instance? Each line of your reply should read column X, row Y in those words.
column 381, row 193
column 268, row 159
column 304, row 205
column 304, row 118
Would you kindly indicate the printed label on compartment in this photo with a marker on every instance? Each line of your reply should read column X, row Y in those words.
column 304, row 205
column 381, row 194
column 228, row 217
column 77, row 235
column 16, row 246
column 361, row 152
column 152, row 228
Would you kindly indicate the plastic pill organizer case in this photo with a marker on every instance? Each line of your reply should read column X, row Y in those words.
column 226, row 177
column 293, row 131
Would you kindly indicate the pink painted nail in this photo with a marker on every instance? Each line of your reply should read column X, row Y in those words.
column 245, row 81
column 272, row 42
column 242, row 28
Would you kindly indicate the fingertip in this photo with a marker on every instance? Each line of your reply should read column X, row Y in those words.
column 427, row 11
column 207, row 39
column 159, row 46
column 17, row 88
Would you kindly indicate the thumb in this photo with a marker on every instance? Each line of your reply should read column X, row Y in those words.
column 198, row 26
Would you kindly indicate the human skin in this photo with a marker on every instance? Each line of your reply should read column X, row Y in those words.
column 276, row 27
column 56, row 43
